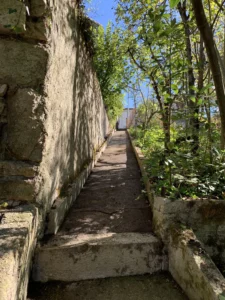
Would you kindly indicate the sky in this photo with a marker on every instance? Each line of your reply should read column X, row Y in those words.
column 102, row 12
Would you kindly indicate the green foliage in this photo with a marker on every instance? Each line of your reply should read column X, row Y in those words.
column 165, row 49
column 146, row 113
column 173, row 3
column 180, row 174
column 109, row 64
column 114, row 106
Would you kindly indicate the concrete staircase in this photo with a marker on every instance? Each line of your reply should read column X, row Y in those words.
column 72, row 258
column 106, row 242
column 108, row 231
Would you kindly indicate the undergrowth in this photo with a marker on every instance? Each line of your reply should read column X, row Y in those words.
column 179, row 173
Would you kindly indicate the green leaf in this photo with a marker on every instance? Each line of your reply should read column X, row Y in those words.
column 157, row 26
column 200, row 101
column 194, row 88
column 205, row 88
column 170, row 145
column 221, row 297
column 173, row 3
column 193, row 99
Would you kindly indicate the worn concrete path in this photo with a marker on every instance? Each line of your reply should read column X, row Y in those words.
column 112, row 200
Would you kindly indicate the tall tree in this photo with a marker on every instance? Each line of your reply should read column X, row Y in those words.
column 215, row 63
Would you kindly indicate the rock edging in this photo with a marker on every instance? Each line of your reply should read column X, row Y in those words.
column 18, row 233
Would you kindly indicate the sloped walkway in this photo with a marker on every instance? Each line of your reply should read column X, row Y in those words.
column 113, row 199
column 107, row 234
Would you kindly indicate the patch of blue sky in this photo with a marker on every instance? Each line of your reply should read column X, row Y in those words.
column 103, row 12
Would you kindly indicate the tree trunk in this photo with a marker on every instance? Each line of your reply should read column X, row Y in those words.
column 207, row 35
column 192, row 104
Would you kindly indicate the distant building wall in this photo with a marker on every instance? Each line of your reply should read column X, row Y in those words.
column 127, row 118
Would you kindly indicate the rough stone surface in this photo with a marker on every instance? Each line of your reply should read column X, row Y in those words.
column 72, row 258
column 12, row 14
column 3, row 90
column 76, row 121
column 38, row 8
column 26, row 133
column 2, row 106
column 38, row 30
column 17, row 168
column 193, row 269
column 29, row 62
column 17, row 188
column 205, row 217
column 18, row 231
column 55, row 118
column 153, row 287
column 57, row 121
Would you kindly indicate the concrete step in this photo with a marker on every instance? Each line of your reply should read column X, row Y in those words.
column 92, row 256
column 160, row 286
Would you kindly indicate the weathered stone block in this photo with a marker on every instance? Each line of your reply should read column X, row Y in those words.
column 73, row 258
column 26, row 114
column 12, row 16
column 37, row 30
column 17, row 189
column 16, row 168
column 22, row 64
column 38, row 8
column 2, row 105
column 193, row 269
column 3, row 89
column 18, row 232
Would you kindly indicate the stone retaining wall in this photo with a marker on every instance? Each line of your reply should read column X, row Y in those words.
column 52, row 117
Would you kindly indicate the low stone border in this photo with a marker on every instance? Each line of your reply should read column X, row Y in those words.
column 205, row 217
column 18, row 233
column 140, row 159
column 191, row 267
column 62, row 204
